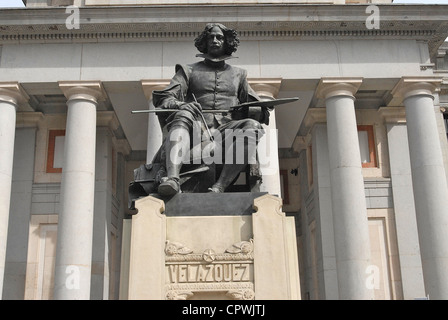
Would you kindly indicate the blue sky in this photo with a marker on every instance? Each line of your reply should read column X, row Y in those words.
column 19, row 3
column 11, row 3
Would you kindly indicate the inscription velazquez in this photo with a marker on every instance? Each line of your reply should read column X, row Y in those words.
column 215, row 272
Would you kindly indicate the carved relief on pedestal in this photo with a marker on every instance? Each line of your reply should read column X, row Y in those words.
column 230, row 272
column 245, row 247
column 242, row 294
column 172, row 248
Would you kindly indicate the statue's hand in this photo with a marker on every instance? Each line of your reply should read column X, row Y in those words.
column 193, row 107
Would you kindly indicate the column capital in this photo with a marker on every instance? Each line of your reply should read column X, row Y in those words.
column 83, row 90
column 393, row 115
column 12, row 92
column 342, row 86
column 411, row 86
column 266, row 87
column 312, row 116
column 299, row 143
column 107, row 119
column 29, row 119
column 122, row 146
column 150, row 85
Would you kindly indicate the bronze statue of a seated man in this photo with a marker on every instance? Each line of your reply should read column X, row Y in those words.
column 205, row 85
column 210, row 84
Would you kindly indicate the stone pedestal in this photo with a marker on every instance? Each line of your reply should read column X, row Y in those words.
column 244, row 254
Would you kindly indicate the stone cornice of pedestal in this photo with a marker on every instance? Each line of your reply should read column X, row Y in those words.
column 280, row 21
column 344, row 86
column 84, row 90
column 266, row 87
column 149, row 86
column 393, row 115
column 13, row 93
column 410, row 86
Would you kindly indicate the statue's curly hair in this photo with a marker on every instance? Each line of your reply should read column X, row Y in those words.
column 231, row 38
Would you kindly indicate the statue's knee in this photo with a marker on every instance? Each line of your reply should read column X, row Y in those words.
column 183, row 119
column 252, row 124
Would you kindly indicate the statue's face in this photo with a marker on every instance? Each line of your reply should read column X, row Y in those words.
column 216, row 42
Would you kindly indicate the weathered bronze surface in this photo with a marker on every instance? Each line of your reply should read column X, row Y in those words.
column 211, row 96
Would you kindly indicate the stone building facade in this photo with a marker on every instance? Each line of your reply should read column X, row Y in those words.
column 360, row 160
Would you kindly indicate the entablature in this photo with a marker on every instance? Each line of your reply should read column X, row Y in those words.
column 257, row 21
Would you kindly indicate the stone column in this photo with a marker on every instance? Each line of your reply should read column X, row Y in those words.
column 75, row 224
column 106, row 124
column 154, row 130
column 268, row 89
column 11, row 94
column 351, row 230
column 20, row 209
column 403, row 204
column 428, row 179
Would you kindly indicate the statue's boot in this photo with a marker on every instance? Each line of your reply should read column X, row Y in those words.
column 179, row 141
column 169, row 187
column 228, row 174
